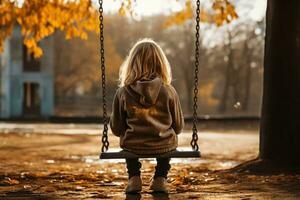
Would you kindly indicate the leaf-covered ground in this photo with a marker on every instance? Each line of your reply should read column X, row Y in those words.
column 55, row 165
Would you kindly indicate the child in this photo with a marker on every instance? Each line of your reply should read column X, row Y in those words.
column 146, row 112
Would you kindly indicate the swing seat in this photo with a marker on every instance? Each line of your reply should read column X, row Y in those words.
column 123, row 154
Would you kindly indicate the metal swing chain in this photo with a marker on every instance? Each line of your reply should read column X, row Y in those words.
column 197, row 55
column 105, row 142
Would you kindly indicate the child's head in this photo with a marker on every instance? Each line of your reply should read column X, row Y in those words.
column 145, row 60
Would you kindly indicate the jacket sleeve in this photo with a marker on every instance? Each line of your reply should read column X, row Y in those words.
column 176, row 112
column 118, row 116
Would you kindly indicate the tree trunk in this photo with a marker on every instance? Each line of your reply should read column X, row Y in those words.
column 280, row 120
column 228, row 77
column 246, row 100
column 223, row 103
column 189, row 83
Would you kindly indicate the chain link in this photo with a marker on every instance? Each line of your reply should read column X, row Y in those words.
column 105, row 143
column 197, row 55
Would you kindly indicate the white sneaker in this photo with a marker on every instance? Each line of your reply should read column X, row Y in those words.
column 159, row 184
column 134, row 185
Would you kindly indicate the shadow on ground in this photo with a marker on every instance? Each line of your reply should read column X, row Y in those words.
column 58, row 166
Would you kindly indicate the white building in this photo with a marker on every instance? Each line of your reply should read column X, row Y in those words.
column 26, row 83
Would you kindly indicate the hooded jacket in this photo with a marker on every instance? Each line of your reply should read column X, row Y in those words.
column 147, row 117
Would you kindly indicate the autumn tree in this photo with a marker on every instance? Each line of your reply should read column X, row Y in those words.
column 81, row 67
column 244, row 40
column 229, row 73
column 179, row 47
column 41, row 18
column 253, row 53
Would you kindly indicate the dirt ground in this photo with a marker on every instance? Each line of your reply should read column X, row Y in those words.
column 60, row 161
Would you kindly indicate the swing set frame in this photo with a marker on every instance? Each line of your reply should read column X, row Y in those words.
column 123, row 154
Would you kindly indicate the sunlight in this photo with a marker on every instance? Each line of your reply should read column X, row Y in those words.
column 154, row 7
column 258, row 12
column 146, row 8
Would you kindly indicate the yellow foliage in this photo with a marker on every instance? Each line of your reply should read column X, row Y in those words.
column 122, row 10
column 206, row 95
column 40, row 18
column 223, row 12
column 126, row 8
column 182, row 16
column 7, row 16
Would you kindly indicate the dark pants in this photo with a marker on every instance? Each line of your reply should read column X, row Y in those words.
column 161, row 169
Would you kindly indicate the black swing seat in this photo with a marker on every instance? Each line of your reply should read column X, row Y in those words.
column 172, row 154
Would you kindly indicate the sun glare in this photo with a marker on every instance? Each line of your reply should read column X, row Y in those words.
column 154, row 7
column 147, row 7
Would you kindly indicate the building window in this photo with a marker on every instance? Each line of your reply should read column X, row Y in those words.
column 31, row 99
column 30, row 64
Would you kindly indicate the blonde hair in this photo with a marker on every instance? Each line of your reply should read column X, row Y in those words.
column 145, row 60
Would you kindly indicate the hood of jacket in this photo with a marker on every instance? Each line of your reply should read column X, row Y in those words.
column 145, row 91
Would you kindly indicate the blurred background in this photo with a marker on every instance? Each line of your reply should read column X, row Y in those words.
column 65, row 80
